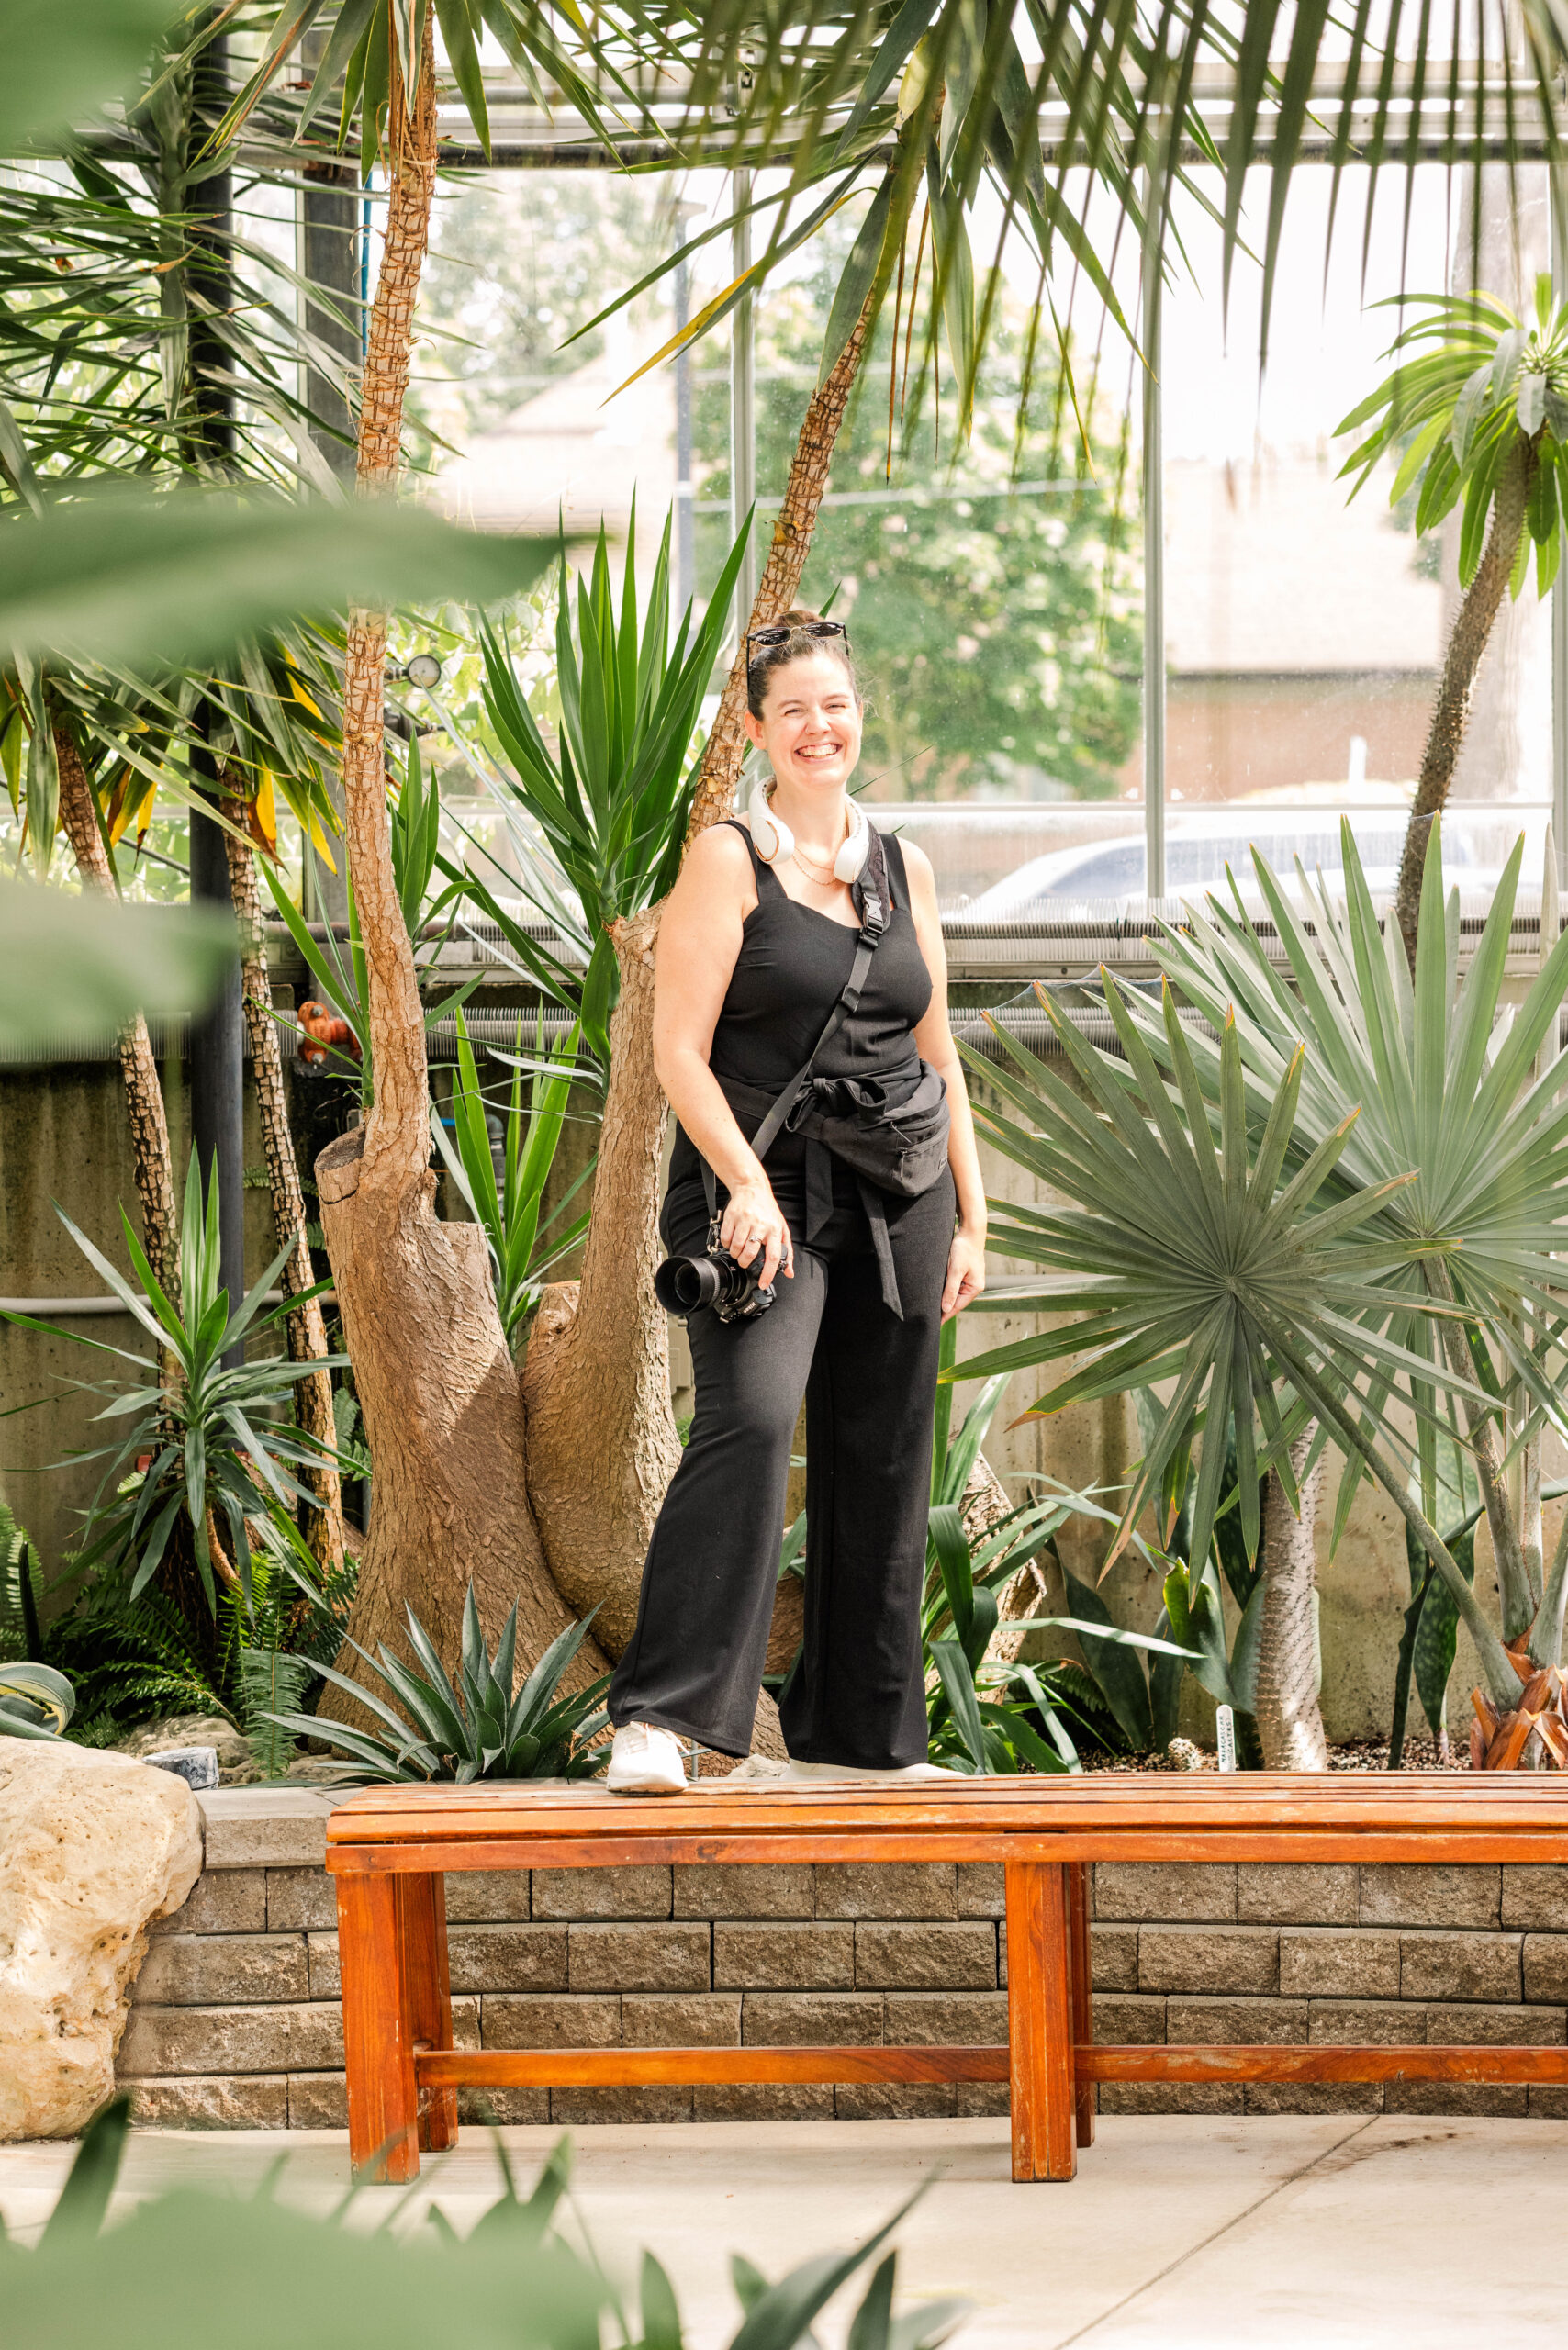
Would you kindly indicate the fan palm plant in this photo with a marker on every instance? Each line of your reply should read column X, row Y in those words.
column 1477, row 410
column 1188, row 1250
column 1443, row 1081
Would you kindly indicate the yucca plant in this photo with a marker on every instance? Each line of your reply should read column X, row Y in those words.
column 1461, row 1138
column 475, row 1729
column 609, row 795
column 507, row 1201
column 219, row 1467
column 1477, row 412
column 1188, row 1250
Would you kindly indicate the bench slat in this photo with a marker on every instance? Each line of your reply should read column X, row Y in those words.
column 1269, row 2062
column 643, row 2067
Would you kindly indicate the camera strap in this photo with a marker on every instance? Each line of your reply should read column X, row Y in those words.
column 873, row 894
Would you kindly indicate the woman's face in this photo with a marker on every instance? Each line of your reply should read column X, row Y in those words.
column 810, row 727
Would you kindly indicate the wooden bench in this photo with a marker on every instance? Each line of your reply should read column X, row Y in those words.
column 390, row 1849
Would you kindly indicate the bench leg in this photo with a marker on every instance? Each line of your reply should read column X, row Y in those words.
column 421, row 1926
column 1083, row 1991
column 1040, row 2019
column 378, row 2043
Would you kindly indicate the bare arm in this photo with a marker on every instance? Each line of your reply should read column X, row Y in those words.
column 698, row 942
column 934, row 1037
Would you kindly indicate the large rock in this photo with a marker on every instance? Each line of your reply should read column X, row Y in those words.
column 92, row 1847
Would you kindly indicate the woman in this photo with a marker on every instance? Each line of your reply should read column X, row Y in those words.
column 758, row 943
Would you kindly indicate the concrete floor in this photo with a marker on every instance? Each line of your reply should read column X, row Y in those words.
column 1335, row 2232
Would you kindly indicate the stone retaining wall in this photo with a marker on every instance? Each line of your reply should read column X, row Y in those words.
column 236, row 2023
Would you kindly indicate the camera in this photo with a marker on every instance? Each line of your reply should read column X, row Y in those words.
column 686, row 1284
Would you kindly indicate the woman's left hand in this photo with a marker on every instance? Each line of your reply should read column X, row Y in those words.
column 966, row 1273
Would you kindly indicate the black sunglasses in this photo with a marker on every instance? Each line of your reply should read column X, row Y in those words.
column 768, row 638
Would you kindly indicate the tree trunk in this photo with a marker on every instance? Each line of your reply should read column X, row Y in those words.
column 434, row 1377
column 143, row 1093
column 792, row 532
column 307, row 1330
column 1289, row 1723
column 601, row 1442
column 1456, row 686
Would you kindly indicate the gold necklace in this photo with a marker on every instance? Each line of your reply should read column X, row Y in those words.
column 828, row 881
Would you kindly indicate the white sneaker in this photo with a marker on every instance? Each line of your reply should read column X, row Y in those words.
column 846, row 1770
column 645, row 1762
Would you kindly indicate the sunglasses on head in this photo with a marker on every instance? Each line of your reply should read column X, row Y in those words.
column 768, row 639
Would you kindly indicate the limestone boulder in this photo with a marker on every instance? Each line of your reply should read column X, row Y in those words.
column 92, row 1847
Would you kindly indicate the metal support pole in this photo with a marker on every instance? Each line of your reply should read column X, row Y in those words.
column 218, row 1100
column 685, row 542
column 742, row 404
column 1153, row 562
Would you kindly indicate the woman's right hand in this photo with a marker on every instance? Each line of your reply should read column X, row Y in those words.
column 751, row 1222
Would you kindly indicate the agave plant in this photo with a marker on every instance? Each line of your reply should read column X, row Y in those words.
column 475, row 1729
column 1443, row 1082
column 1198, row 1256
column 35, row 1701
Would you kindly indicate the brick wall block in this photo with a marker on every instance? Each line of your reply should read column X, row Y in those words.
column 1382, row 2023
column 812, row 2020
column 1536, row 1896
column 1123, row 2020
column 1496, row 2027
column 317, row 2100
column 1234, row 1959
column 1333, row 1963
column 1243, row 2020
column 1113, row 1957
column 301, row 1901
column 981, row 2101
column 1546, row 1966
column 779, row 1889
column 574, row 2109
column 692, row 2019
column 508, row 1958
column 1456, row 2098
column 218, row 2102
column 783, row 1957
column 1183, row 1891
column 601, row 1893
column 219, row 1970
column 486, row 2109
column 326, row 1974
column 1461, row 1966
column 304, row 2037
column 510, row 2019
column 1172, row 2097
column 266, row 1827
column 489, row 1897
column 981, row 1889
column 946, row 2018
column 894, row 2100
column 928, row 1957
column 222, row 1901
column 1292, row 1893
column 1413, row 1893
column 762, row 2101
column 638, row 1958
column 902, row 1889
column 1313, row 2097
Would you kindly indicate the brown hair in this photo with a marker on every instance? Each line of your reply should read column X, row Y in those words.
column 769, row 658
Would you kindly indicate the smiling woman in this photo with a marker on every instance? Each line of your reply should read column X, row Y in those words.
column 801, row 1021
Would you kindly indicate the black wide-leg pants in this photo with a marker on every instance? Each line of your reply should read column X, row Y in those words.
column 695, row 1663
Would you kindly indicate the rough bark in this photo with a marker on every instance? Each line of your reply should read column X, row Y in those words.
column 780, row 579
column 432, row 1372
column 1289, row 1723
column 1456, row 686
column 143, row 1092
column 601, row 1442
column 306, row 1329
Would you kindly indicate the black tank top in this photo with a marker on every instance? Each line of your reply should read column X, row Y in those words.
column 790, row 973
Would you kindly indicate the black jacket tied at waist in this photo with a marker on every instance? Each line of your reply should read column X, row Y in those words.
column 890, row 1129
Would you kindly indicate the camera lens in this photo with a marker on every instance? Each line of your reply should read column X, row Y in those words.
column 685, row 1285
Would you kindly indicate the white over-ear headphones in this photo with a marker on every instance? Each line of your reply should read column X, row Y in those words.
column 774, row 840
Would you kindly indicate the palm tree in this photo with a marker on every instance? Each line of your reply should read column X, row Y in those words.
column 1477, row 409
